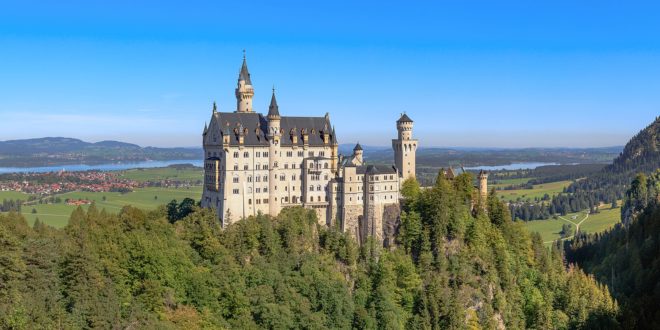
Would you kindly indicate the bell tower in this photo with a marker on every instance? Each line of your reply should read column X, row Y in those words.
column 244, row 89
column 405, row 148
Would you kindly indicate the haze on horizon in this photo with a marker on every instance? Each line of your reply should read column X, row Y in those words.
column 505, row 74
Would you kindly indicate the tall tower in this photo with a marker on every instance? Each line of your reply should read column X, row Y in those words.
column 274, row 136
column 244, row 89
column 483, row 184
column 405, row 148
column 357, row 155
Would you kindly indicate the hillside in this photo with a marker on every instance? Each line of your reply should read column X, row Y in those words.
column 63, row 151
column 175, row 269
column 627, row 257
column 641, row 153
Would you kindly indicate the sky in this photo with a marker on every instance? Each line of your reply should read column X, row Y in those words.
column 469, row 73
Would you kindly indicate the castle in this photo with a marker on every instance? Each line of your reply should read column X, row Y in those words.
column 256, row 163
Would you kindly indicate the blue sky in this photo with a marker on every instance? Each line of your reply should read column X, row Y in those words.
column 470, row 73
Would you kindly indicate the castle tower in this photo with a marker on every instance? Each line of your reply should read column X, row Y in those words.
column 274, row 137
column 357, row 155
column 244, row 89
column 483, row 184
column 405, row 148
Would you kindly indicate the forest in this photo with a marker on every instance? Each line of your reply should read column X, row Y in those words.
column 627, row 257
column 452, row 267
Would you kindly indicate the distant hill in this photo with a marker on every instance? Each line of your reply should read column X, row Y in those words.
column 63, row 151
column 641, row 153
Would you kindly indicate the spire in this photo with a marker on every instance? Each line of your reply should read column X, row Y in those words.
column 357, row 147
column 244, row 74
column 273, row 109
column 334, row 136
column 215, row 107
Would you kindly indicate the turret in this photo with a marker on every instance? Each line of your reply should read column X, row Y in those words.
column 244, row 89
column 274, row 136
column 357, row 154
column 482, row 178
column 405, row 147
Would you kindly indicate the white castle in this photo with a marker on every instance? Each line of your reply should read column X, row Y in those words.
column 256, row 163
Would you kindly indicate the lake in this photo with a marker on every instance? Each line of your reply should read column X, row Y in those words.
column 510, row 167
column 101, row 167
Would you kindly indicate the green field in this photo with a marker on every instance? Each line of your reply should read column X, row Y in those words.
column 549, row 229
column 509, row 182
column 551, row 188
column 13, row 195
column 163, row 173
column 57, row 215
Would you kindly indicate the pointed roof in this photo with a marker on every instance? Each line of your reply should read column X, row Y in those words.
column 404, row 119
column 334, row 136
column 205, row 128
column 244, row 74
column 273, row 109
column 357, row 147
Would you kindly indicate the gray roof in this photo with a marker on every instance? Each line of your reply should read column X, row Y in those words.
column 376, row 169
column 404, row 119
column 254, row 127
column 273, row 109
column 245, row 74
column 357, row 147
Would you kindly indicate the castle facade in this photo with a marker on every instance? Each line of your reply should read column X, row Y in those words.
column 256, row 163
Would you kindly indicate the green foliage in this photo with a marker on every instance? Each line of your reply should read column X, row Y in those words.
column 454, row 267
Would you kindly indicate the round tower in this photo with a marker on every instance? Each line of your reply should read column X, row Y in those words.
column 405, row 148
column 244, row 89
column 274, row 136
column 357, row 154
column 482, row 177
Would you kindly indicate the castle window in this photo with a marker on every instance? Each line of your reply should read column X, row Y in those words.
column 325, row 165
column 282, row 177
column 257, row 190
column 265, row 189
column 258, row 201
column 286, row 199
column 235, row 154
column 258, row 167
column 257, row 179
column 265, row 166
column 265, row 153
column 300, row 153
column 286, row 166
column 235, row 191
column 289, row 153
column 266, row 200
column 322, row 153
column 311, row 154
column 318, row 198
column 293, row 177
column 235, row 179
column 249, row 178
column 246, row 154
column 311, row 198
column 293, row 166
column 311, row 188
column 258, row 154
column 245, row 167
column 318, row 187
column 293, row 188
column 325, row 177
column 265, row 178
column 209, row 154
column 249, row 201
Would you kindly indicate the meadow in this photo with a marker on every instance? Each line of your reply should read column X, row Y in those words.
column 57, row 215
column 596, row 222
column 539, row 190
